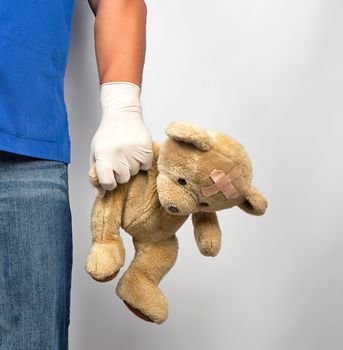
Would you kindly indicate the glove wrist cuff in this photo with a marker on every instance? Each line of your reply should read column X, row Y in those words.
column 120, row 96
column 121, row 84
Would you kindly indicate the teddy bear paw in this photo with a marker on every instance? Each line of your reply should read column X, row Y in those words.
column 104, row 261
column 209, row 247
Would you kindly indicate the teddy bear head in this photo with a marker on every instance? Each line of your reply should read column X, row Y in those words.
column 205, row 171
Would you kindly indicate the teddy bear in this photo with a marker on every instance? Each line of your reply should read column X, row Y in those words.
column 194, row 172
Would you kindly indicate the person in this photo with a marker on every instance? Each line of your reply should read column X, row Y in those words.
column 35, row 216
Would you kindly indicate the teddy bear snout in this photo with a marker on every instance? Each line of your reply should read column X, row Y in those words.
column 175, row 198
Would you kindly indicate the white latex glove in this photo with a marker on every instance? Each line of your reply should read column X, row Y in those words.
column 122, row 144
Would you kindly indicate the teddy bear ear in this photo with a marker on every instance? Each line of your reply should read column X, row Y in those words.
column 254, row 203
column 190, row 133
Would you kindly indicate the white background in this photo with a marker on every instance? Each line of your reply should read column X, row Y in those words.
column 268, row 73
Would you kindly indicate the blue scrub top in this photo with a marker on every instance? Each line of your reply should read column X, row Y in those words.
column 34, row 44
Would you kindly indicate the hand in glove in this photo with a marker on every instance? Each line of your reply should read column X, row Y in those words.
column 122, row 144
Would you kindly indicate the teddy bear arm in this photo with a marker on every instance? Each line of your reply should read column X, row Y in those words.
column 207, row 232
column 107, row 253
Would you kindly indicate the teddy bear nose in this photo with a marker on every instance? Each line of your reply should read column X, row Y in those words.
column 173, row 209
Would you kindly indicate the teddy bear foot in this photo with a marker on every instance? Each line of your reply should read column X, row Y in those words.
column 137, row 312
column 144, row 299
column 104, row 261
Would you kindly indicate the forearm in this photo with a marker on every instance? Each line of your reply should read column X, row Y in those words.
column 120, row 31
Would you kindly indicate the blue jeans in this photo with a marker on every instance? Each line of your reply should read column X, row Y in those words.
column 35, row 253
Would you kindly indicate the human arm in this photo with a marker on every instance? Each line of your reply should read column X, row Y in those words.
column 119, row 33
column 122, row 144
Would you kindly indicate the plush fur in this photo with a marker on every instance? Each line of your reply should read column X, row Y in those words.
column 154, row 204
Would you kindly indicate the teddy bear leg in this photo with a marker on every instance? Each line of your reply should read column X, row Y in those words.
column 106, row 255
column 138, row 287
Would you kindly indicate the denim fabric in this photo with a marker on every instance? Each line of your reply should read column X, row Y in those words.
column 35, row 253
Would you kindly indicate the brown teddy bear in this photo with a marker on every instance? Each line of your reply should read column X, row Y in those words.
column 195, row 172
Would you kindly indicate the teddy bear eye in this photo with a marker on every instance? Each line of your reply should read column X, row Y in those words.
column 182, row 182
